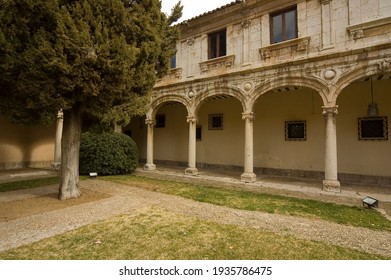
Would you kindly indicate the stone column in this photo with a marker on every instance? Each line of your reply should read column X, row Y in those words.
column 331, row 183
column 57, row 145
column 248, row 176
column 192, row 146
column 150, row 165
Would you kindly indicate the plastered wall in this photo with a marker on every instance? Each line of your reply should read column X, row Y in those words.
column 22, row 146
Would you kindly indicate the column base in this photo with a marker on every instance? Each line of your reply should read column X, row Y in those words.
column 331, row 186
column 248, row 177
column 150, row 167
column 191, row 171
column 56, row 166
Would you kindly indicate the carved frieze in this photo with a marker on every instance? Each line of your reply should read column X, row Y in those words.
column 357, row 31
column 217, row 63
column 290, row 47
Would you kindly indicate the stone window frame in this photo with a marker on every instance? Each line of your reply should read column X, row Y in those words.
column 362, row 135
column 282, row 13
column 302, row 125
column 212, row 123
column 215, row 51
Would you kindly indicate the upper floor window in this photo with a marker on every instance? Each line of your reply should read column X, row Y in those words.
column 283, row 25
column 217, row 44
column 173, row 62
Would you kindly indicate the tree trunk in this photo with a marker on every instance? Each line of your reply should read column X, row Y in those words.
column 70, row 148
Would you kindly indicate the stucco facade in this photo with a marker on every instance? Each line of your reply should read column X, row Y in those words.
column 26, row 146
column 319, row 82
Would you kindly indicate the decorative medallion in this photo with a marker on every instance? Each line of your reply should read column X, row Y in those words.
column 329, row 74
column 247, row 86
column 191, row 94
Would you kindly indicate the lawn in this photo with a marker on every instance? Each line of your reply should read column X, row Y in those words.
column 155, row 234
column 254, row 201
column 28, row 184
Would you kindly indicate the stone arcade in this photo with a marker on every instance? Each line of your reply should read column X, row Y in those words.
column 259, row 86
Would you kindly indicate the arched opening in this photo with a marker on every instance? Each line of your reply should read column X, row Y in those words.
column 364, row 146
column 220, row 133
column 289, row 133
column 170, row 133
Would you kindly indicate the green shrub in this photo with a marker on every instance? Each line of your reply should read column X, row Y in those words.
column 107, row 153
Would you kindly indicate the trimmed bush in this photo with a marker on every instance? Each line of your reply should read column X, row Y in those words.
column 107, row 153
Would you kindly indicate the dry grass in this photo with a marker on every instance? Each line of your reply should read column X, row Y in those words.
column 255, row 201
column 155, row 234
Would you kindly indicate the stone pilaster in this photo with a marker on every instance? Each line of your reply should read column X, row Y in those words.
column 331, row 183
column 192, row 170
column 150, row 126
column 246, row 40
column 248, row 176
column 327, row 24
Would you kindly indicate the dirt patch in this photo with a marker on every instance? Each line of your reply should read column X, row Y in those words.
column 41, row 204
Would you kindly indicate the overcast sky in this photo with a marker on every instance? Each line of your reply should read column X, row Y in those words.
column 192, row 8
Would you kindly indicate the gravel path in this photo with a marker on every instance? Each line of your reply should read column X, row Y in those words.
column 126, row 199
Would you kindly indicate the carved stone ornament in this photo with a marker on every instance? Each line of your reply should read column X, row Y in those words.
column 357, row 34
column 246, row 24
column 384, row 65
column 330, row 111
column 302, row 46
column 266, row 54
column 247, row 86
column 190, row 41
column 248, row 115
column 149, row 122
column 191, row 119
column 191, row 94
column 329, row 74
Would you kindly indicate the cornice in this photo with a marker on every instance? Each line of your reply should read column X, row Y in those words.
column 334, row 59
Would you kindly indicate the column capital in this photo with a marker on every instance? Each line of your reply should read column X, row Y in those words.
column 325, row 2
column 246, row 24
column 248, row 115
column 150, row 122
column 330, row 110
column 60, row 115
column 191, row 119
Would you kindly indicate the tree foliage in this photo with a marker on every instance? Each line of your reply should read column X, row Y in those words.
column 95, row 59
column 97, row 54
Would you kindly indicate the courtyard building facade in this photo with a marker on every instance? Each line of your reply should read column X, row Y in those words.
column 296, row 88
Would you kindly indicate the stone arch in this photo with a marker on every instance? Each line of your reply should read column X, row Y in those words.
column 359, row 73
column 159, row 101
column 286, row 82
column 220, row 91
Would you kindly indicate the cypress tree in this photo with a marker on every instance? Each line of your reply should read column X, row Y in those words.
column 94, row 59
